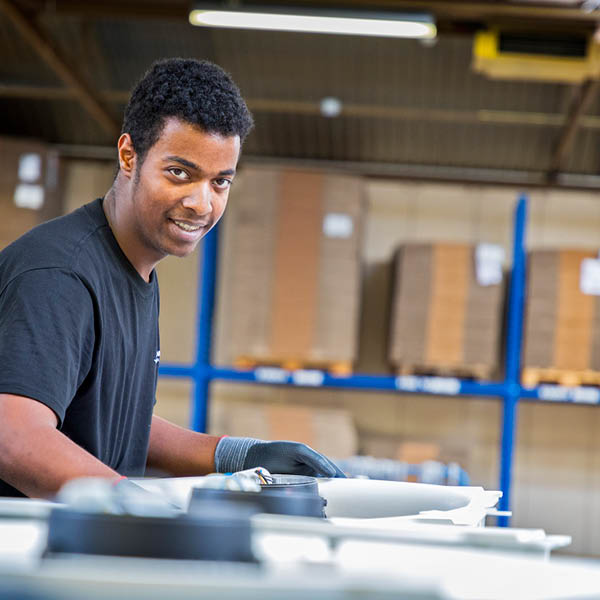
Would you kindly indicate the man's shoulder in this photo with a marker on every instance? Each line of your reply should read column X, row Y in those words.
column 54, row 244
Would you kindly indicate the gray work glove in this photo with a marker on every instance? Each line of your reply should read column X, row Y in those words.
column 237, row 454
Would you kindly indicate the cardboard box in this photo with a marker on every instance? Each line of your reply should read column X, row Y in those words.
column 561, row 322
column 294, row 267
column 442, row 318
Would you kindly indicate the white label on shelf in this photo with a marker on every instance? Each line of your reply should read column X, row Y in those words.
column 28, row 195
column 441, row 385
column 271, row 374
column 586, row 395
column 432, row 385
column 559, row 393
column 30, row 167
column 589, row 280
column 489, row 259
column 553, row 393
column 338, row 225
column 308, row 377
column 407, row 383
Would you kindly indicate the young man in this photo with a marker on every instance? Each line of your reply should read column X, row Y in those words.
column 79, row 302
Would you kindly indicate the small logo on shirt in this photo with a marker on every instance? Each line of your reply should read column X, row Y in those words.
column 157, row 357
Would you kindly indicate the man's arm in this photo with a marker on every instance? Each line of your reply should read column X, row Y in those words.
column 179, row 451
column 182, row 452
column 35, row 457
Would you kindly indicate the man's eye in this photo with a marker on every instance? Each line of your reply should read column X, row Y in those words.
column 179, row 173
column 222, row 183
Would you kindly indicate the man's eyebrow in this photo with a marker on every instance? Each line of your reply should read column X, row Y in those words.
column 185, row 162
column 191, row 165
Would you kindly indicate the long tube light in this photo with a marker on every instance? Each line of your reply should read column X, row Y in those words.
column 314, row 21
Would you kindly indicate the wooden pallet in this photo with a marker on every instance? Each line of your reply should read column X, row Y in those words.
column 478, row 371
column 340, row 368
column 532, row 376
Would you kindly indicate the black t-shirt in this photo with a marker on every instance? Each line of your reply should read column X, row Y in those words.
column 79, row 333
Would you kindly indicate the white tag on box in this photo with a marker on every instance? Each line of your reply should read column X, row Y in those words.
column 29, row 196
column 489, row 259
column 338, row 225
column 589, row 279
column 30, row 167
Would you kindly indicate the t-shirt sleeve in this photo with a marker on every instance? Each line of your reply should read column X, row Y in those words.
column 46, row 337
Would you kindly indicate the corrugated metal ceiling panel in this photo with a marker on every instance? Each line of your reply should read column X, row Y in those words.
column 407, row 142
column 50, row 120
column 19, row 63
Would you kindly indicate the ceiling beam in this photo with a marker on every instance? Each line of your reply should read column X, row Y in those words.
column 420, row 172
column 366, row 111
column 37, row 92
column 575, row 119
column 44, row 47
column 116, row 9
column 446, row 12
column 492, row 9
column 565, row 142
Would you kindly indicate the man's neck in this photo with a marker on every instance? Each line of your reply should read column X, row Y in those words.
column 123, row 229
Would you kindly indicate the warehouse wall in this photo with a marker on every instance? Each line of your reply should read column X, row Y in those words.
column 557, row 472
column 84, row 181
column 17, row 220
column 557, row 475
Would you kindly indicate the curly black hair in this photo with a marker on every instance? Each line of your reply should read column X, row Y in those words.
column 195, row 91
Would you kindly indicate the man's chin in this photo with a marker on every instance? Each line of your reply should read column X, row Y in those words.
column 181, row 251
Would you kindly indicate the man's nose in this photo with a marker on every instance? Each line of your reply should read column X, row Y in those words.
column 200, row 201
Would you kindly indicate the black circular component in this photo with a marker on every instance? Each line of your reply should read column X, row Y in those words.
column 213, row 533
column 293, row 484
column 287, row 495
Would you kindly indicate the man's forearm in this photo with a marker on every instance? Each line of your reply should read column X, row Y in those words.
column 179, row 451
column 41, row 461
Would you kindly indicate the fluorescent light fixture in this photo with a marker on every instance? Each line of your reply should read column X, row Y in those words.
column 275, row 18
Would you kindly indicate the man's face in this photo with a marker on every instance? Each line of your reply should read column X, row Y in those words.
column 181, row 188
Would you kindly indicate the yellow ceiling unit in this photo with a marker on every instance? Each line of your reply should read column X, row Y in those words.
column 565, row 58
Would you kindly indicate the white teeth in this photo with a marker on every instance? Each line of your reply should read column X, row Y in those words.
column 187, row 227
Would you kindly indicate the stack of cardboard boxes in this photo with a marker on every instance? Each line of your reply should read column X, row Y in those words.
column 562, row 323
column 442, row 319
column 294, row 268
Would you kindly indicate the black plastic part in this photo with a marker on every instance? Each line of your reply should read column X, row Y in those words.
column 220, row 533
column 293, row 484
column 288, row 495
column 562, row 45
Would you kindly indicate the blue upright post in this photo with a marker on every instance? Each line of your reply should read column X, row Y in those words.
column 206, row 304
column 512, row 386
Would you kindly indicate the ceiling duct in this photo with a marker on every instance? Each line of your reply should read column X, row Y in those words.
column 555, row 57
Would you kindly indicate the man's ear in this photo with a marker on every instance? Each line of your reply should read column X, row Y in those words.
column 127, row 155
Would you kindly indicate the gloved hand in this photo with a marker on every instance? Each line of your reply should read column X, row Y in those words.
column 237, row 454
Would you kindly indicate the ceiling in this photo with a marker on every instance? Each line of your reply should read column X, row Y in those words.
column 408, row 109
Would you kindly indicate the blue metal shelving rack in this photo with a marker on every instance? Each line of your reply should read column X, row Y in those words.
column 510, row 390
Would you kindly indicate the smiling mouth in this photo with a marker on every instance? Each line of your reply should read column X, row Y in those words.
column 187, row 227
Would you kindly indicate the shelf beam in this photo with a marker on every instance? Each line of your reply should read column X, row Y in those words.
column 439, row 386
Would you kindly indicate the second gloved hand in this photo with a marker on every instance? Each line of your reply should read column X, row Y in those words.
column 236, row 454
